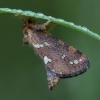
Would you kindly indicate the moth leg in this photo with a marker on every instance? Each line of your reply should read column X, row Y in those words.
column 50, row 26
column 25, row 39
column 46, row 23
column 52, row 78
column 42, row 26
column 20, row 16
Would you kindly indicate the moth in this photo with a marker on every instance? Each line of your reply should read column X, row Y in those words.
column 61, row 60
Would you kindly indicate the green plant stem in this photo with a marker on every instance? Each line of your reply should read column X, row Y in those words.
column 55, row 20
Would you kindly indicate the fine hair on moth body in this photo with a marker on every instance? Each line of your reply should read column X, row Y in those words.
column 60, row 59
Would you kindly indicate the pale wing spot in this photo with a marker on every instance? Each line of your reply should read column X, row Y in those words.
column 76, row 62
column 53, row 70
column 46, row 44
column 41, row 45
column 60, row 72
column 63, row 57
column 80, row 60
column 38, row 45
column 71, row 62
column 46, row 59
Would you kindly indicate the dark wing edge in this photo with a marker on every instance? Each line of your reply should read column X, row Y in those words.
column 54, row 78
column 74, row 74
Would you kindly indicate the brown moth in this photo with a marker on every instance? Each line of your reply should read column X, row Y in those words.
column 61, row 60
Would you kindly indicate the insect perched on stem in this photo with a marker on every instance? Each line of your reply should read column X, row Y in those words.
column 61, row 60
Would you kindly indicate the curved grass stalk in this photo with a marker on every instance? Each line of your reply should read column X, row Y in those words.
column 55, row 20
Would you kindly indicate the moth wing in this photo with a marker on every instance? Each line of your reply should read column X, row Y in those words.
column 65, row 64
column 63, row 59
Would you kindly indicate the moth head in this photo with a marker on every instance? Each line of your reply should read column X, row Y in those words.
column 28, row 22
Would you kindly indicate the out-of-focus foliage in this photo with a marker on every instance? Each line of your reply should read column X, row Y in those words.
column 23, row 75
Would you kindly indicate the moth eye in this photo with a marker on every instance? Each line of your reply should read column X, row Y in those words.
column 29, row 21
column 25, row 42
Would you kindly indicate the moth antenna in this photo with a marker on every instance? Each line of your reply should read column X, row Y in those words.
column 50, row 26
column 46, row 23
column 21, row 17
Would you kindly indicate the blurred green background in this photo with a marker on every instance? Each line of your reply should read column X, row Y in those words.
column 23, row 75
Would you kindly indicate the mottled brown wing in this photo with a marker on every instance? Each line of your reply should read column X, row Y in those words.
column 60, row 59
